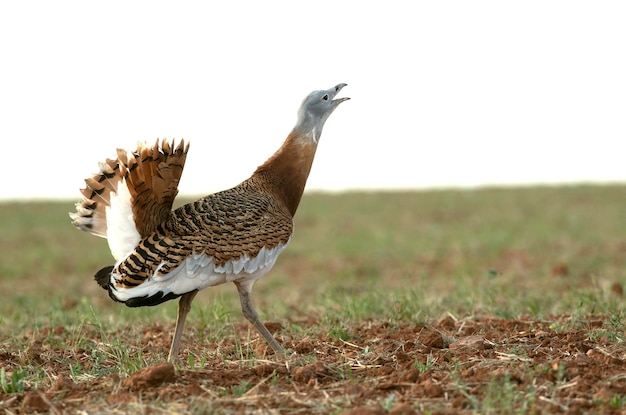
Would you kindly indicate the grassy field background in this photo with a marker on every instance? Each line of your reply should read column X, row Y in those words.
column 537, row 253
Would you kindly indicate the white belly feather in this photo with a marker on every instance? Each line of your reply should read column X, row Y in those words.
column 199, row 271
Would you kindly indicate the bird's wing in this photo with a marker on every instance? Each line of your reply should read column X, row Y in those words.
column 131, row 195
column 217, row 239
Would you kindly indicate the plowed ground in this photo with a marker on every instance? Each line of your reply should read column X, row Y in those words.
column 476, row 365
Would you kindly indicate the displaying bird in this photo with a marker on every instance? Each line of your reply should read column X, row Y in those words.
column 234, row 235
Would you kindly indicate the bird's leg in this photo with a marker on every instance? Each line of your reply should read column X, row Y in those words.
column 184, row 305
column 245, row 290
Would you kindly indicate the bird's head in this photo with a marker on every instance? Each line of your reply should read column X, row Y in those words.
column 315, row 110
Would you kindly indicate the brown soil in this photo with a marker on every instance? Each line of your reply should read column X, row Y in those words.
column 450, row 367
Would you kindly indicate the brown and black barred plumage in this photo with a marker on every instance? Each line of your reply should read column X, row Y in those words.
column 231, row 236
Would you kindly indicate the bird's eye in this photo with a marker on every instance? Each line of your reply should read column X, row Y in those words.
column 325, row 97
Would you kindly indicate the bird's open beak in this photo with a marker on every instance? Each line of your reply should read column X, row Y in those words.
column 336, row 90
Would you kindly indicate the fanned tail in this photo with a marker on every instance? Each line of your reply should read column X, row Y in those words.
column 152, row 175
column 90, row 215
column 131, row 195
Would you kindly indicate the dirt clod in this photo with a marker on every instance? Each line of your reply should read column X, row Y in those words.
column 35, row 402
column 617, row 289
column 447, row 323
column 273, row 326
column 403, row 409
column 469, row 343
column 305, row 373
column 433, row 339
column 63, row 383
column 365, row 410
column 149, row 377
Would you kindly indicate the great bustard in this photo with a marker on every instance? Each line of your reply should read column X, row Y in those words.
column 231, row 236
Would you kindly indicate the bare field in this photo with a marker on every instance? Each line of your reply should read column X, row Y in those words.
column 490, row 301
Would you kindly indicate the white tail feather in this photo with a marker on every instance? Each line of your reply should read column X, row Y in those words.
column 122, row 233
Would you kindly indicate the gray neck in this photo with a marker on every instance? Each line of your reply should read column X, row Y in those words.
column 308, row 124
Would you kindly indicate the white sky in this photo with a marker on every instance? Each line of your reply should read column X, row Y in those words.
column 454, row 93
